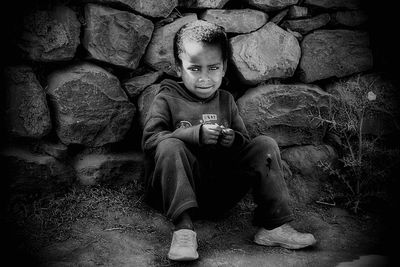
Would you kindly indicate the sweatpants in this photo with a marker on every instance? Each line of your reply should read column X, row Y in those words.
column 213, row 179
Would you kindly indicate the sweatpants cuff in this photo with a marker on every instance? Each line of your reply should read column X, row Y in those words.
column 270, row 224
column 182, row 208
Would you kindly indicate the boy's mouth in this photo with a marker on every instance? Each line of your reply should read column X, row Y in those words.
column 204, row 87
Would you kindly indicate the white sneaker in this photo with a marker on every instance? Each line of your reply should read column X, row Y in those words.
column 284, row 236
column 183, row 246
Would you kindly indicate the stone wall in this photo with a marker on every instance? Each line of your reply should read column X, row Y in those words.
column 80, row 75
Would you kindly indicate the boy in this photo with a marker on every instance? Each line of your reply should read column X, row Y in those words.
column 203, row 161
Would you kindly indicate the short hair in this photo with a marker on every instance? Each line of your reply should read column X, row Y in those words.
column 201, row 31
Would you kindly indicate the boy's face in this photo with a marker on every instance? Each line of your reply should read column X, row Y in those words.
column 202, row 68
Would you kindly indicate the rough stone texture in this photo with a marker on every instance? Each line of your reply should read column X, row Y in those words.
column 351, row 18
column 35, row 174
column 305, row 159
column 296, row 12
column 272, row 5
column 159, row 53
column 285, row 112
column 109, row 168
column 135, row 86
column 298, row 35
column 114, row 36
column 308, row 179
column 287, row 173
column 89, row 106
column 26, row 111
column 304, row 26
column 56, row 150
column 203, row 3
column 383, row 117
column 236, row 20
column 144, row 102
column 151, row 8
column 350, row 4
column 50, row 35
column 270, row 52
column 280, row 16
column 334, row 53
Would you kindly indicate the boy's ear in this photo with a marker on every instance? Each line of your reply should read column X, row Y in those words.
column 225, row 66
column 178, row 69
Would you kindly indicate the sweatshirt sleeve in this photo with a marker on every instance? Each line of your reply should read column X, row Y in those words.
column 158, row 126
column 241, row 135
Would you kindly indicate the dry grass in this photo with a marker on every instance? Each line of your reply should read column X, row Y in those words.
column 50, row 219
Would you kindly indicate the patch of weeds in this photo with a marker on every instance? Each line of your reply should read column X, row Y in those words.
column 367, row 162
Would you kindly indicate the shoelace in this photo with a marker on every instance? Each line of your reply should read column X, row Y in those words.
column 185, row 239
column 290, row 229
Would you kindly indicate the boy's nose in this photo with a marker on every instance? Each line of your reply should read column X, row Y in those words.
column 204, row 77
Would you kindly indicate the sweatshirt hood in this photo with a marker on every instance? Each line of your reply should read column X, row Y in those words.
column 173, row 87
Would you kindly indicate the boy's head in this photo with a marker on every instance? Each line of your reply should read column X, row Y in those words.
column 201, row 53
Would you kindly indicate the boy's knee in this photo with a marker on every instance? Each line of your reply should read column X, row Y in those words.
column 266, row 143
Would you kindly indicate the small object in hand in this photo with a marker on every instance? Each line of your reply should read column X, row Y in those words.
column 223, row 129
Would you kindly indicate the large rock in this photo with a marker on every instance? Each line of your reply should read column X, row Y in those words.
column 114, row 36
column 90, row 108
column 112, row 168
column 236, row 20
column 350, row 18
column 26, row 111
column 135, row 86
column 159, row 53
column 334, row 53
column 308, row 179
column 151, row 8
column 50, row 35
column 270, row 52
column 272, row 5
column 304, row 26
column 33, row 174
column 287, row 113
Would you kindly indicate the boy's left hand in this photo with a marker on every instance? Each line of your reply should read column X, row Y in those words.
column 227, row 137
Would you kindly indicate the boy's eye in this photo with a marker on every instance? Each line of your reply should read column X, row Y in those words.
column 214, row 68
column 194, row 69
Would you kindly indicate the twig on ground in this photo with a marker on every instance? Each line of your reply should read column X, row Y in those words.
column 325, row 203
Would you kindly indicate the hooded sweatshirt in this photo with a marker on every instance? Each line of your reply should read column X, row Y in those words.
column 177, row 113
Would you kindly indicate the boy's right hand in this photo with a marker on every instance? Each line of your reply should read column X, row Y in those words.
column 210, row 134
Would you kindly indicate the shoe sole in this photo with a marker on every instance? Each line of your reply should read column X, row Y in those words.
column 284, row 245
column 184, row 258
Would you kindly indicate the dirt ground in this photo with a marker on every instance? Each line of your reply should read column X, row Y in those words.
column 108, row 229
